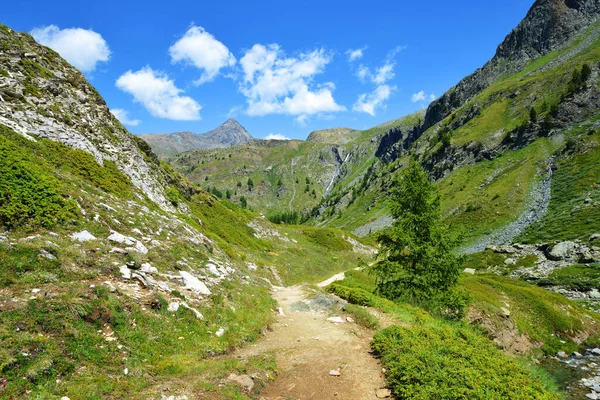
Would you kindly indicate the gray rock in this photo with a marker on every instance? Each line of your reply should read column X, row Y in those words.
column 3, row 239
column 504, row 312
column 125, row 272
column 46, row 254
column 173, row 307
column 469, row 271
column 561, row 251
column 83, row 236
column 595, row 237
column 335, row 372
column 510, row 261
column 244, row 381
column 194, row 284
column 110, row 286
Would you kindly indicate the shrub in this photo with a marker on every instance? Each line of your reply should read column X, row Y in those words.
column 29, row 194
column 362, row 316
column 444, row 361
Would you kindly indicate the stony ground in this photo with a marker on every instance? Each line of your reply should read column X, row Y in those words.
column 310, row 350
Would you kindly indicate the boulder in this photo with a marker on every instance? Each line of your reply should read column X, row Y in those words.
column 83, row 236
column 562, row 251
column 46, row 254
column 192, row 283
column 245, row 381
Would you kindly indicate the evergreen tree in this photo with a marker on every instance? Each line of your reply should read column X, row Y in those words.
column 532, row 115
column 250, row 184
column 418, row 263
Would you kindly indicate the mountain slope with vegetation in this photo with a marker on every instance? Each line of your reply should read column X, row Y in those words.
column 118, row 277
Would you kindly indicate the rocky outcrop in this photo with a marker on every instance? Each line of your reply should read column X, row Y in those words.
column 549, row 24
column 231, row 133
column 42, row 96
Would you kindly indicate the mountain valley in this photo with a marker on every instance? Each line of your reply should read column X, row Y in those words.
column 187, row 266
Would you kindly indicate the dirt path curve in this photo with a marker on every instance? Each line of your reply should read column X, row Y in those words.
column 308, row 346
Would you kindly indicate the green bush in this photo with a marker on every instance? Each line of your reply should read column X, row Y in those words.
column 362, row 316
column 451, row 362
column 352, row 295
column 29, row 195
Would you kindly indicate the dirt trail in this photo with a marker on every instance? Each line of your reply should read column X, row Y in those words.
column 307, row 347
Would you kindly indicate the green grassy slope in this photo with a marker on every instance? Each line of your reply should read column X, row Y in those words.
column 487, row 155
column 83, row 325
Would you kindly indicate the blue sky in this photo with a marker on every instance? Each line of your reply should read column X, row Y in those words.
column 278, row 67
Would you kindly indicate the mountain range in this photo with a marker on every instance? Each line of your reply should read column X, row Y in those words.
column 230, row 133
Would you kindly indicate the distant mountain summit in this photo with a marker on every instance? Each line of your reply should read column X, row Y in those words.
column 231, row 133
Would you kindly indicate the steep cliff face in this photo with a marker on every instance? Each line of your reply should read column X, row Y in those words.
column 549, row 25
column 230, row 133
column 42, row 96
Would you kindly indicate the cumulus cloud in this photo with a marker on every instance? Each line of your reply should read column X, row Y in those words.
column 123, row 116
column 200, row 49
column 369, row 103
column 159, row 95
column 81, row 47
column 276, row 84
column 355, row 54
column 422, row 97
column 276, row 136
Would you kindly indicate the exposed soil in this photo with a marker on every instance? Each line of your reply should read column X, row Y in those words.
column 308, row 346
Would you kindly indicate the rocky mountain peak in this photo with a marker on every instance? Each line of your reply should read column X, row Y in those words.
column 228, row 134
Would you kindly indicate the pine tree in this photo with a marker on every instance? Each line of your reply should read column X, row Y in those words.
column 418, row 263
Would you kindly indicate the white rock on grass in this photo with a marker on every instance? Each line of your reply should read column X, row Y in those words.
column 125, row 272
column 194, row 284
column 220, row 332
column 469, row 271
column 197, row 313
column 147, row 268
column 83, row 236
column 173, row 307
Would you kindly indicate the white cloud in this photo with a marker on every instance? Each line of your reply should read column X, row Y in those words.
column 159, row 95
column 276, row 84
column 276, row 136
column 369, row 103
column 123, row 116
column 363, row 72
column 80, row 47
column 355, row 54
column 199, row 48
column 421, row 97
column 384, row 73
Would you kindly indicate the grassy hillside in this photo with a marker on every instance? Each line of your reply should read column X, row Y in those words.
column 286, row 175
column 74, row 326
column 489, row 154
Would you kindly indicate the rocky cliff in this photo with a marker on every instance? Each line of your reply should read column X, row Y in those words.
column 42, row 96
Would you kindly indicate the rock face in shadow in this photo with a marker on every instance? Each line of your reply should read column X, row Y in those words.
column 231, row 133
